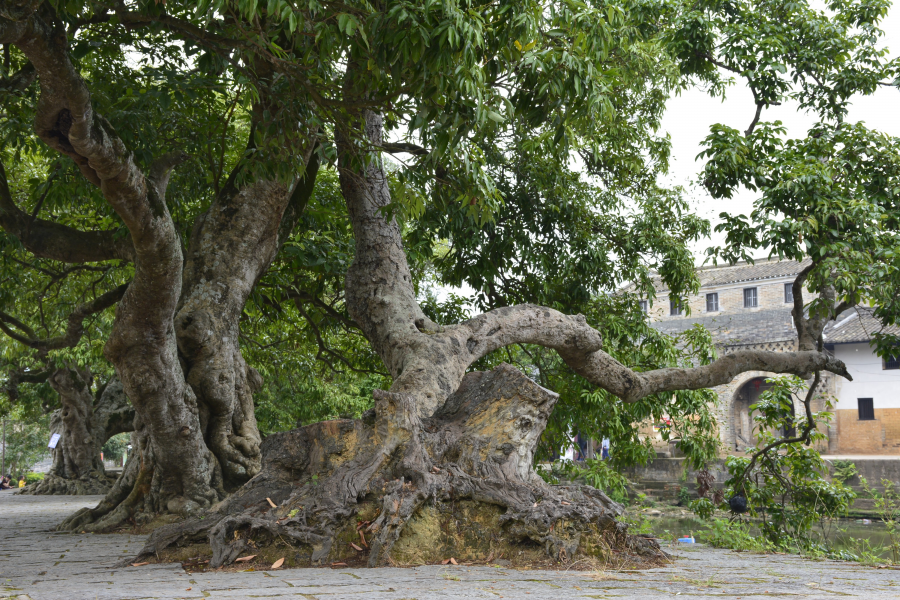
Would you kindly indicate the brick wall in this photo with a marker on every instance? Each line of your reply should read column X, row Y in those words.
column 879, row 436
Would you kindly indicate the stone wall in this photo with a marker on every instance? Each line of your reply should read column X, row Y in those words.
column 662, row 478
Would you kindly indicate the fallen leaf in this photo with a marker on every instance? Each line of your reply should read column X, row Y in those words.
column 453, row 561
column 245, row 558
column 272, row 504
column 278, row 563
column 446, row 561
column 355, row 547
column 139, row 564
column 362, row 538
column 564, row 502
column 187, row 589
column 338, row 564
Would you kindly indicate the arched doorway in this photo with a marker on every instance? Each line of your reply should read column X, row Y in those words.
column 741, row 417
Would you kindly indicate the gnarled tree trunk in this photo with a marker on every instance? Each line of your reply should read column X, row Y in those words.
column 408, row 490
column 174, row 342
column 441, row 448
column 84, row 425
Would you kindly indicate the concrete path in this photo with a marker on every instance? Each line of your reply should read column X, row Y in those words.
column 38, row 564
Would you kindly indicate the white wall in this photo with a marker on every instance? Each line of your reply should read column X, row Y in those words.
column 869, row 379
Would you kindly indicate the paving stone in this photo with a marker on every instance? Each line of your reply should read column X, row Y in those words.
column 37, row 563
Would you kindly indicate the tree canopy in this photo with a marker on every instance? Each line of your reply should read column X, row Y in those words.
column 247, row 211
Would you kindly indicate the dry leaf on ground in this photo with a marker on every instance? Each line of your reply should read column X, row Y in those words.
column 355, row 547
column 245, row 558
column 272, row 504
column 139, row 564
column 278, row 563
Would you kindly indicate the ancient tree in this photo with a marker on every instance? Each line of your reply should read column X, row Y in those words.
column 84, row 423
column 195, row 217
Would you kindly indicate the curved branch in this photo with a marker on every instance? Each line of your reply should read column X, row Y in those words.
column 579, row 346
column 46, row 239
column 75, row 328
column 808, row 428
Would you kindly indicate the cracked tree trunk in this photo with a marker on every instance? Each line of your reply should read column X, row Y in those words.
column 84, row 425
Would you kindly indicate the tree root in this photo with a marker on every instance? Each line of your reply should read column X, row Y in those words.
column 92, row 484
column 394, row 488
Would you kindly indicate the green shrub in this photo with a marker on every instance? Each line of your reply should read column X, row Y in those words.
column 887, row 505
column 735, row 535
column 33, row 478
column 786, row 487
column 703, row 508
column 597, row 473
column 843, row 470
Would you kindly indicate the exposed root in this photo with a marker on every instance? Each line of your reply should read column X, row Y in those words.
column 396, row 486
column 92, row 484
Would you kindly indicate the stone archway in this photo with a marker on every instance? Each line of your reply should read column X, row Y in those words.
column 746, row 395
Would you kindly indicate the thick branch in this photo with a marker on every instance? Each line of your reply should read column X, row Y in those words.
column 404, row 147
column 20, row 81
column 46, row 239
column 579, row 346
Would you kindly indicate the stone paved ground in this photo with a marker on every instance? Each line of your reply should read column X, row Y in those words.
column 38, row 564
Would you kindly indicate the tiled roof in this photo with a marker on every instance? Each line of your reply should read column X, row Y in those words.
column 855, row 325
column 762, row 269
column 738, row 329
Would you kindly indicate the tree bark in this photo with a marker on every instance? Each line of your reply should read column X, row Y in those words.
column 84, row 425
column 232, row 246
column 398, row 479
column 174, row 342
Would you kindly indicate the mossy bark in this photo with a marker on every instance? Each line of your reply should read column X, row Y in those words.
column 408, row 489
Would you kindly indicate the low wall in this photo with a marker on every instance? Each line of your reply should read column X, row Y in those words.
column 663, row 478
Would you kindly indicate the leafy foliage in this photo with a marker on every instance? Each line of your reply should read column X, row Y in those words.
column 887, row 506
column 26, row 444
column 786, row 489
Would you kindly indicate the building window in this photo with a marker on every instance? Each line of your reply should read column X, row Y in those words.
column 866, row 409
column 712, row 303
column 644, row 306
column 890, row 364
column 789, row 293
column 750, row 298
column 674, row 307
